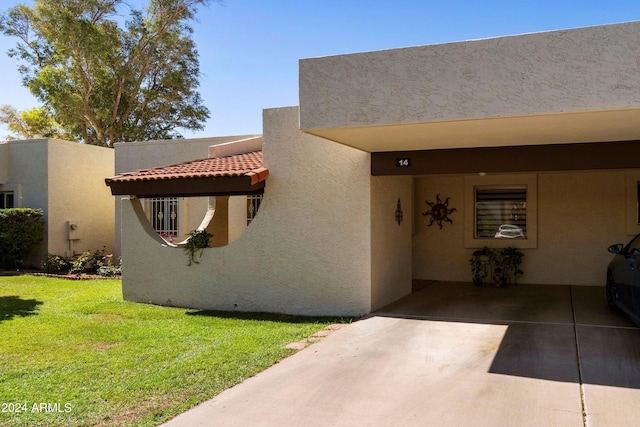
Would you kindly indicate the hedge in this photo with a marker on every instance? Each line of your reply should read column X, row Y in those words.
column 21, row 230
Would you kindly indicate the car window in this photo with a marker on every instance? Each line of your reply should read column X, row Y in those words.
column 634, row 244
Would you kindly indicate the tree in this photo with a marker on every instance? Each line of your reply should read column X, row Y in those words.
column 34, row 123
column 105, row 80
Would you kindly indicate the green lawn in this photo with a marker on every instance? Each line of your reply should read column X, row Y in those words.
column 74, row 353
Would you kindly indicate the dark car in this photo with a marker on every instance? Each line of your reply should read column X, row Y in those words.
column 623, row 279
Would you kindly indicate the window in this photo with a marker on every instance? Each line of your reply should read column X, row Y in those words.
column 253, row 204
column 501, row 212
column 6, row 200
column 162, row 213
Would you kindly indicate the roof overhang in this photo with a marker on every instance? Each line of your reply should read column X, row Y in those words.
column 188, row 187
column 225, row 176
column 563, row 128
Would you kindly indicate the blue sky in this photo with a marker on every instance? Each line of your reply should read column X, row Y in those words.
column 249, row 49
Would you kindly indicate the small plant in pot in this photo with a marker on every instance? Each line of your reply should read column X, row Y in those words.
column 481, row 265
column 197, row 241
column 499, row 280
column 498, row 266
column 510, row 259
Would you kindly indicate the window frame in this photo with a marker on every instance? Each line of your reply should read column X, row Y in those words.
column 490, row 195
column 153, row 205
column 3, row 202
column 253, row 205
column 16, row 190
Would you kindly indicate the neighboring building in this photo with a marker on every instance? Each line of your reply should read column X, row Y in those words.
column 534, row 140
column 66, row 180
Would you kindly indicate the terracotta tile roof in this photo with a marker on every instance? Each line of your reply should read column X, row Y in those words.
column 240, row 165
column 218, row 176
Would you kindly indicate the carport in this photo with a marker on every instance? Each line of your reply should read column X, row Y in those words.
column 454, row 354
column 552, row 116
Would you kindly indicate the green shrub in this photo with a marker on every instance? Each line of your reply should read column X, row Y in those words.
column 97, row 262
column 87, row 262
column 56, row 264
column 107, row 268
column 21, row 230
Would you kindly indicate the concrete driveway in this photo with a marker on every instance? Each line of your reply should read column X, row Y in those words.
column 453, row 354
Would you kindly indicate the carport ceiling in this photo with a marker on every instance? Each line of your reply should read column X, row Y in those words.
column 574, row 127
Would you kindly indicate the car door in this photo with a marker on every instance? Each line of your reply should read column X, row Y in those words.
column 635, row 291
column 629, row 274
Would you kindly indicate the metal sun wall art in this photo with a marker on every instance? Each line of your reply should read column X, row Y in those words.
column 439, row 211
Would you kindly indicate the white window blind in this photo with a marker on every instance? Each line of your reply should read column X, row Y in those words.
column 501, row 212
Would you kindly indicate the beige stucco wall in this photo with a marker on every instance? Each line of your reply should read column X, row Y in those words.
column 439, row 254
column 582, row 69
column 390, row 242
column 237, row 221
column 4, row 162
column 28, row 167
column 308, row 251
column 76, row 192
column 219, row 224
column 579, row 215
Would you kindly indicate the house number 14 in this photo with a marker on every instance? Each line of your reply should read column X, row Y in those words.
column 403, row 162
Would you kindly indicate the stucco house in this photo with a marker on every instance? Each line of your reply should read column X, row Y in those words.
column 66, row 180
column 541, row 131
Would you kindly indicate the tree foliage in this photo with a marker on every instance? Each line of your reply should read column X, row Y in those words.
column 34, row 123
column 106, row 79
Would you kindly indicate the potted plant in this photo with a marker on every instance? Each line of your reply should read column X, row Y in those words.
column 197, row 241
column 510, row 260
column 481, row 265
column 499, row 266
column 499, row 279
